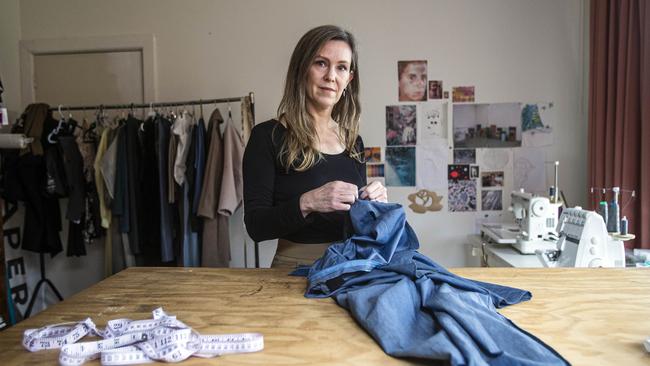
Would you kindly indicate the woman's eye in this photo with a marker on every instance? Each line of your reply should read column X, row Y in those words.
column 320, row 63
column 343, row 68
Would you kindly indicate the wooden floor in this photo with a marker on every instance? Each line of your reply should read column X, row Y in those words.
column 590, row 316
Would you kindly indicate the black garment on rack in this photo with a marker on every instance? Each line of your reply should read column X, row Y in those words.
column 149, row 188
column 163, row 131
column 42, row 220
column 73, row 165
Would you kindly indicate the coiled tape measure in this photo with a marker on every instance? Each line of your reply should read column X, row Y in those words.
column 129, row 342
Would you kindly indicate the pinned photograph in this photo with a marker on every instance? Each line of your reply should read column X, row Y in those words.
column 491, row 200
column 537, row 124
column 400, row 166
column 462, row 195
column 432, row 122
column 462, row 94
column 372, row 154
column 445, row 94
column 464, row 156
column 458, row 172
column 435, row 89
column 412, row 78
column 473, row 171
column 374, row 170
column 401, row 125
column 492, row 179
column 487, row 125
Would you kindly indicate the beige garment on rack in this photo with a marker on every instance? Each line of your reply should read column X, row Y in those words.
column 247, row 120
column 104, row 212
column 232, row 182
column 216, row 238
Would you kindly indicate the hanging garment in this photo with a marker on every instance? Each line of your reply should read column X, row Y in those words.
column 183, row 129
column 109, row 164
column 232, row 184
column 163, row 131
column 24, row 180
column 199, row 172
column 173, row 147
column 215, row 251
column 73, row 164
column 247, row 120
column 87, row 144
column 414, row 307
column 149, row 186
column 34, row 118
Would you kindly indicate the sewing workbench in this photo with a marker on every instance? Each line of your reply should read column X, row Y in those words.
column 590, row 316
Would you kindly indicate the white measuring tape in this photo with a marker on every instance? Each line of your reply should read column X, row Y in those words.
column 129, row 342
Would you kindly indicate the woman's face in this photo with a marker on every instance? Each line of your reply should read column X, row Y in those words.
column 328, row 75
column 412, row 82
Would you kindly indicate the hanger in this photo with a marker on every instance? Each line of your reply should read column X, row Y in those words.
column 201, row 107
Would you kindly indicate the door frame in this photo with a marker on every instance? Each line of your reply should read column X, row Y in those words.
column 145, row 43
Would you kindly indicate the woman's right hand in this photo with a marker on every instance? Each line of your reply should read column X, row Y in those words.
column 332, row 196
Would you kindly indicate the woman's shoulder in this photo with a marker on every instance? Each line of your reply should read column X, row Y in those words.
column 268, row 126
column 270, row 131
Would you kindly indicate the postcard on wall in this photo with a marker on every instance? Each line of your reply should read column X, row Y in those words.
column 432, row 122
column 537, row 121
column 464, row 156
column 374, row 170
column 372, row 154
column 399, row 169
column 492, row 179
column 401, row 123
column 458, row 172
column 462, row 195
column 473, row 171
column 487, row 125
column 412, row 80
column 491, row 200
column 435, row 89
column 431, row 165
column 462, row 94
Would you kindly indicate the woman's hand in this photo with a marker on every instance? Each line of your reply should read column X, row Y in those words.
column 375, row 191
column 332, row 196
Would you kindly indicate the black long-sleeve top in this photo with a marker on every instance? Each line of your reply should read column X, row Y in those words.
column 272, row 195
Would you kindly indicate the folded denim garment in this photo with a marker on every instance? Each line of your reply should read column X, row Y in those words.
column 412, row 306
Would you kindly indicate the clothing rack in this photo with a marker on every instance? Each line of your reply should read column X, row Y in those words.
column 173, row 104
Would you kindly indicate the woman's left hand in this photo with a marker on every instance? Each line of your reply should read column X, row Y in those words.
column 374, row 191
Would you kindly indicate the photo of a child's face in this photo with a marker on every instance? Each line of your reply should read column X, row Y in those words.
column 412, row 80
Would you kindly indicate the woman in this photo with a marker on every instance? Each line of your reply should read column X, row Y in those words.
column 303, row 170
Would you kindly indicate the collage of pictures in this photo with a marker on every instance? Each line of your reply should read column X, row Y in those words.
column 417, row 150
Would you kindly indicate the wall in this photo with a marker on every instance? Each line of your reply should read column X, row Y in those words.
column 511, row 50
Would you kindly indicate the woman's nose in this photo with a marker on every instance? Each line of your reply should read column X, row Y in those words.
column 330, row 75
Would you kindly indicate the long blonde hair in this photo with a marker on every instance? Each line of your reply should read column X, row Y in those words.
column 298, row 151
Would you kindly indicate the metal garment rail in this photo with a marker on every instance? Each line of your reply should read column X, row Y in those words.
column 159, row 104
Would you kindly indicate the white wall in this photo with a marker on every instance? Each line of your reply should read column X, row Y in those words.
column 9, row 60
column 511, row 50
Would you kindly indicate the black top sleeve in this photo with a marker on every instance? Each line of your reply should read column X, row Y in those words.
column 272, row 195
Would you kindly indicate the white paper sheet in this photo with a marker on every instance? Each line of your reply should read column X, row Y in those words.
column 431, row 165
column 529, row 170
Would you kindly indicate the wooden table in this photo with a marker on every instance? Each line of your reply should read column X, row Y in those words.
column 590, row 316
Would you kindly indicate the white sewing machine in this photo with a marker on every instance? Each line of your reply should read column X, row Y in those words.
column 584, row 242
column 537, row 220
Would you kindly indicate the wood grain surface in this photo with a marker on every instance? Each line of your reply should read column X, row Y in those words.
column 590, row 316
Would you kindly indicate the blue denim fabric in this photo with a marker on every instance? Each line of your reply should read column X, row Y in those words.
column 414, row 307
